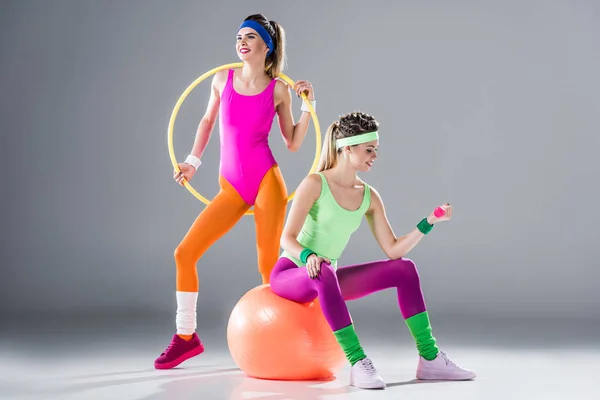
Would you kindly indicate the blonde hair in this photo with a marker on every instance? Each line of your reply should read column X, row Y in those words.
column 275, row 63
column 349, row 125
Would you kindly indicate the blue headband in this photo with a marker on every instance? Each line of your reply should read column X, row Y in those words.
column 261, row 31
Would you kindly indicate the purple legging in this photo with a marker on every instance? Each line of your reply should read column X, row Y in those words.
column 348, row 283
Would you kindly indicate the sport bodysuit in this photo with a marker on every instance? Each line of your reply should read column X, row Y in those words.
column 245, row 123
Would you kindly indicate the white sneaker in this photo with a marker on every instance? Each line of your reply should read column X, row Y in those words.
column 364, row 375
column 441, row 368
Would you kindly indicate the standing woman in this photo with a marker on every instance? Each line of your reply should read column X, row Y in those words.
column 246, row 101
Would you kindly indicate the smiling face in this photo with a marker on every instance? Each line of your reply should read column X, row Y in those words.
column 250, row 46
column 362, row 156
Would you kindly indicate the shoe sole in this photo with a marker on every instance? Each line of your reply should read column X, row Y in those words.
column 442, row 377
column 369, row 387
column 366, row 386
column 181, row 358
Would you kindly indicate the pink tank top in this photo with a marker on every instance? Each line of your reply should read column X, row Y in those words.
column 245, row 123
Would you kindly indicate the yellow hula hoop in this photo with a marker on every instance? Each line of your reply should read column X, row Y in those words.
column 185, row 94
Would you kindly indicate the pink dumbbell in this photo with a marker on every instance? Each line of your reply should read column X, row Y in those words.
column 439, row 211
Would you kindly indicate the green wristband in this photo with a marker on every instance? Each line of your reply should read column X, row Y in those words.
column 424, row 226
column 304, row 254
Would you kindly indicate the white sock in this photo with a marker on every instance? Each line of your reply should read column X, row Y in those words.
column 185, row 319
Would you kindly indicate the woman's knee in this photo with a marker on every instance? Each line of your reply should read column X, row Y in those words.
column 406, row 269
column 182, row 255
column 281, row 265
column 327, row 276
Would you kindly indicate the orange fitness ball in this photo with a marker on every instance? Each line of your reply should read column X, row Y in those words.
column 270, row 337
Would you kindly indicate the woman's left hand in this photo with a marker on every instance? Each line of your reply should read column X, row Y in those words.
column 306, row 88
column 432, row 219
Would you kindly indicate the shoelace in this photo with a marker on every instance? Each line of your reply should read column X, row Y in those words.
column 446, row 359
column 169, row 347
column 368, row 366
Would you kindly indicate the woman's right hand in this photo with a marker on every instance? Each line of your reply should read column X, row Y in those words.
column 313, row 265
column 187, row 171
column 447, row 215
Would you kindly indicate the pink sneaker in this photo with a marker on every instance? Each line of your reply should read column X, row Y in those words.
column 178, row 351
column 442, row 368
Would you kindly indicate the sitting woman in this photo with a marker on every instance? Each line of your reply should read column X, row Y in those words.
column 328, row 207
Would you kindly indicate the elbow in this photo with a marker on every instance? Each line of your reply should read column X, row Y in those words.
column 286, row 241
column 283, row 241
column 207, row 123
column 395, row 256
column 395, row 251
column 292, row 144
column 293, row 147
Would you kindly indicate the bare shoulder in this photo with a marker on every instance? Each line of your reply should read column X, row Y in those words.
column 219, row 80
column 281, row 92
column 310, row 186
column 281, row 86
column 376, row 201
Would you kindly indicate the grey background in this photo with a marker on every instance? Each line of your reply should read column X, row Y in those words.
column 492, row 106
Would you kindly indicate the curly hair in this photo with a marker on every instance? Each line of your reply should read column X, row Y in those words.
column 348, row 125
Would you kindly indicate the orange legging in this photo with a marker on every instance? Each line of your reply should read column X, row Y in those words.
column 224, row 211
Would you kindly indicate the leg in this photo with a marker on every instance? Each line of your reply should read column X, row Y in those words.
column 269, row 216
column 293, row 283
column 360, row 280
column 213, row 222
column 224, row 211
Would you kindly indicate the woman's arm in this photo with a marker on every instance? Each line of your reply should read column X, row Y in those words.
column 395, row 247
column 207, row 123
column 293, row 133
column 307, row 193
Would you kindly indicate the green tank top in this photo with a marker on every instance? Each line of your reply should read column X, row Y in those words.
column 328, row 226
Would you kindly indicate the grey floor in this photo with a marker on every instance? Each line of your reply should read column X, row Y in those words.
column 113, row 360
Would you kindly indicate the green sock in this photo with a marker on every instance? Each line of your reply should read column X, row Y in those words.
column 420, row 328
column 348, row 340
